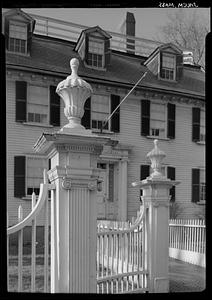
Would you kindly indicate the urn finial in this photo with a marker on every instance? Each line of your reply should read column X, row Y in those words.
column 156, row 156
column 74, row 64
column 74, row 91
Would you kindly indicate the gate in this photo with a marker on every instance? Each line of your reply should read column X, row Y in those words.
column 23, row 271
column 121, row 256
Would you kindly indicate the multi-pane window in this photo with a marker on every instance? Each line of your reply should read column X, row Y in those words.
column 95, row 53
column 34, row 174
column 198, row 124
column 28, row 174
column 168, row 66
column 156, row 117
column 99, row 111
column 17, row 37
column 198, row 185
column 157, row 121
column 96, row 110
column 37, row 104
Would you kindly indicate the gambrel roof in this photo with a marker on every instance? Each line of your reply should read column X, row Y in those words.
column 53, row 56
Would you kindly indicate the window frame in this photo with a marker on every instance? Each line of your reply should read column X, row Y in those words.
column 109, row 109
column 48, row 105
column 27, row 157
column 165, row 120
column 17, row 23
column 161, row 66
column 100, row 41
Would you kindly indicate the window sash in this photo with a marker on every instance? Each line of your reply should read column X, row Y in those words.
column 34, row 174
column 18, row 31
column 95, row 60
column 99, row 110
column 168, row 66
column 17, row 45
column 96, row 47
column 37, row 104
column 157, row 119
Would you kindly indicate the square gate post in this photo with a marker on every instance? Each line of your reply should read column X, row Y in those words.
column 156, row 200
column 73, row 152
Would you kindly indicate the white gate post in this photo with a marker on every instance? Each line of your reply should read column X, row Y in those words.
column 156, row 200
column 73, row 152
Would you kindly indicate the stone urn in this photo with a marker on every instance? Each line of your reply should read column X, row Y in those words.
column 74, row 91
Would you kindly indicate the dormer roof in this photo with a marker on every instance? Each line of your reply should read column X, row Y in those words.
column 18, row 15
column 90, row 30
column 168, row 47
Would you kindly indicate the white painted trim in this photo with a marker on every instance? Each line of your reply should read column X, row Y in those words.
column 188, row 256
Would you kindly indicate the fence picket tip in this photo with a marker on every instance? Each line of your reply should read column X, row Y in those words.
column 33, row 200
column 45, row 176
column 20, row 213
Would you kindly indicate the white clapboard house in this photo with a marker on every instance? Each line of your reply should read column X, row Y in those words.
column 168, row 105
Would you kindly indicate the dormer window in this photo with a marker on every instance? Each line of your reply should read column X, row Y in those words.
column 168, row 66
column 95, row 53
column 18, row 29
column 17, row 37
column 166, row 63
column 93, row 47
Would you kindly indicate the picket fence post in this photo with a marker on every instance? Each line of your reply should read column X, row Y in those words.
column 156, row 200
column 73, row 152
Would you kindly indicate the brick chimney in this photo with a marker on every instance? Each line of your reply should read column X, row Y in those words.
column 130, row 30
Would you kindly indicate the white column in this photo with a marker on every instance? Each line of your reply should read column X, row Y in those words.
column 73, row 232
column 156, row 201
column 123, row 190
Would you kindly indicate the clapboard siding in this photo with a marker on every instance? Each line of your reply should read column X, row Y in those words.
column 181, row 152
column 20, row 141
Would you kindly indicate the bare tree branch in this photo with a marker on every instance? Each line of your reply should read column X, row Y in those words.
column 187, row 31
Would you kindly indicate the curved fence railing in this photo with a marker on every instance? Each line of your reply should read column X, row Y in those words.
column 22, row 269
column 121, row 265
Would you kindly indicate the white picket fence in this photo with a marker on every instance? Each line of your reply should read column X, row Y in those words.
column 121, row 265
column 187, row 241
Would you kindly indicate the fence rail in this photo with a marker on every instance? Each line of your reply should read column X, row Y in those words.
column 121, row 266
column 71, row 32
column 30, row 220
column 187, row 240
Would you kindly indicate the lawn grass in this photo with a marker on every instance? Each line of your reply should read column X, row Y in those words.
column 26, row 271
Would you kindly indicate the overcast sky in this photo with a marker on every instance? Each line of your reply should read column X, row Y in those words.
column 147, row 19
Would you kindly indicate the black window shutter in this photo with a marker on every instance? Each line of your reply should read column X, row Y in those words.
column 107, row 52
column 49, row 164
column 179, row 66
column 21, row 100
column 115, row 120
column 171, row 175
column 86, row 48
column 161, row 63
column 86, row 118
column 144, row 173
column 29, row 38
column 171, row 121
column 195, row 124
column 54, row 107
column 195, row 185
column 145, row 117
column 19, row 176
column 6, row 32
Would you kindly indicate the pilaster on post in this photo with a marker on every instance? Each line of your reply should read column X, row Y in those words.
column 73, row 151
column 156, row 200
